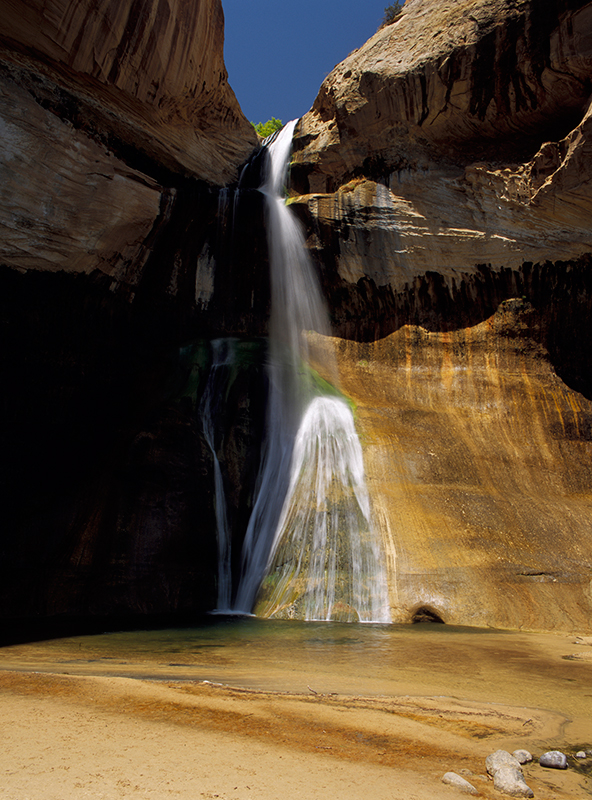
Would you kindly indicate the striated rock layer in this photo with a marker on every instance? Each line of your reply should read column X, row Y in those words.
column 443, row 176
column 429, row 148
column 115, row 118
column 478, row 462
column 146, row 74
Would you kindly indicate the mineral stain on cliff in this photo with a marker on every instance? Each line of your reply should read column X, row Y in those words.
column 443, row 180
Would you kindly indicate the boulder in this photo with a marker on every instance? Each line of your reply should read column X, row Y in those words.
column 553, row 759
column 507, row 774
column 523, row 756
column 499, row 759
column 510, row 780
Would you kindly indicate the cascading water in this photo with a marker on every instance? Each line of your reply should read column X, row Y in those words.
column 310, row 550
column 326, row 559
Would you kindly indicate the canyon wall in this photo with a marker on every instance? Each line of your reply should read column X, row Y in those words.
column 443, row 180
column 443, row 176
column 118, row 128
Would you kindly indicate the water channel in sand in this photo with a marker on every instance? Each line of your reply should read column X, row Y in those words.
column 535, row 670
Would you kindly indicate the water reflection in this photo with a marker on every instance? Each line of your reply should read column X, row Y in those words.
column 429, row 659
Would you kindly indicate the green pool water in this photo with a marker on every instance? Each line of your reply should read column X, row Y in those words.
column 539, row 670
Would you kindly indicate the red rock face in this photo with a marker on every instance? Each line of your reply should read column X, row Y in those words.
column 453, row 145
column 68, row 204
column 456, row 80
column 444, row 179
column 457, row 137
column 150, row 74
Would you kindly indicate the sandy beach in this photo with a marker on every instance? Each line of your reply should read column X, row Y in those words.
column 100, row 736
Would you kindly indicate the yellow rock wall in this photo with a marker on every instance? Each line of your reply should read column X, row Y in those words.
column 443, row 176
column 479, row 464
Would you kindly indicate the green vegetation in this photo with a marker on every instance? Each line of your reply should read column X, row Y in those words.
column 392, row 13
column 324, row 388
column 265, row 129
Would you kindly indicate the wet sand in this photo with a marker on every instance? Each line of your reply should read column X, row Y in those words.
column 94, row 733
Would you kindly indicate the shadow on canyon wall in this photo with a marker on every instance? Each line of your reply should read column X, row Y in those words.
column 109, row 507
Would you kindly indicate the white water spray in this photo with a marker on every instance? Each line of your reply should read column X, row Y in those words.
column 310, row 550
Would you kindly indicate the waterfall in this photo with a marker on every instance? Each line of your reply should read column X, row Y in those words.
column 310, row 550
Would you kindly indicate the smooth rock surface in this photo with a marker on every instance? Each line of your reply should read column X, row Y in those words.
column 452, row 779
column 510, row 780
column 443, row 176
column 476, row 457
column 421, row 161
column 523, row 756
column 66, row 202
column 499, row 759
column 553, row 759
column 145, row 74
column 461, row 75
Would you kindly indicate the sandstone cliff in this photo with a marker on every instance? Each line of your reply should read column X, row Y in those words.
column 149, row 75
column 460, row 135
column 118, row 127
column 443, row 174
column 104, row 108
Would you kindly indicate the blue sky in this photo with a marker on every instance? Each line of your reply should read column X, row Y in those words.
column 277, row 53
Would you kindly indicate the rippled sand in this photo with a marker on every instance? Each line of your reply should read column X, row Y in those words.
column 248, row 709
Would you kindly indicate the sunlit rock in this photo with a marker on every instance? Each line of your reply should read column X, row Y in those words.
column 523, row 756
column 443, row 175
column 510, row 781
column 148, row 76
column 499, row 759
column 452, row 779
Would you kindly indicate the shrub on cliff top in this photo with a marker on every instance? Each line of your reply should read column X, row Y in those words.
column 265, row 129
column 392, row 13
